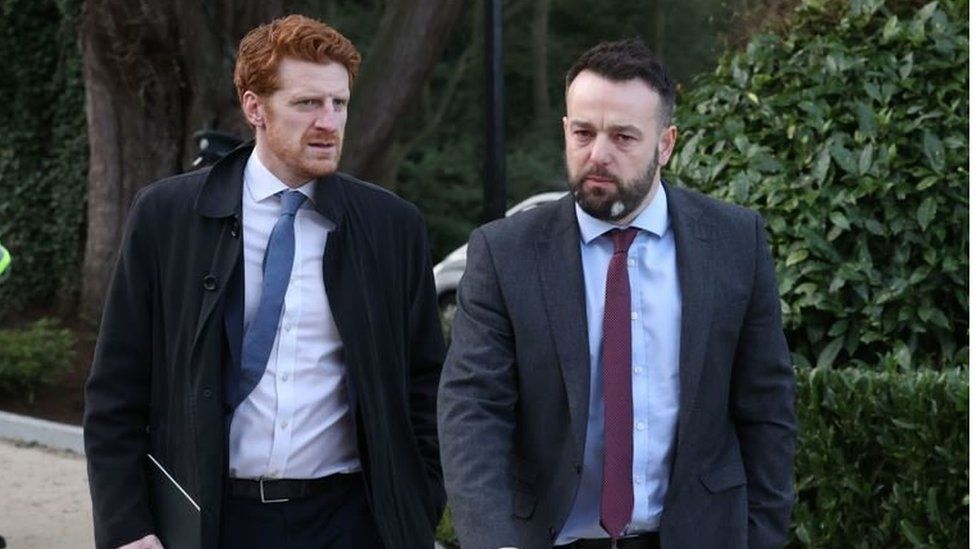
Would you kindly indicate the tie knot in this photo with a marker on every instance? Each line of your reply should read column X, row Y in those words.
column 291, row 201
column 622, row 239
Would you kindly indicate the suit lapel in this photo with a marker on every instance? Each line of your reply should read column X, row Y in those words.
column 561, row 277
column 692, row 242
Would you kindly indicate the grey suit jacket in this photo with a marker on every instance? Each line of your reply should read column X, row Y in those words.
column 513, row 397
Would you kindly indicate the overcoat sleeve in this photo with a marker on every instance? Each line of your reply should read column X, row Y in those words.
column 426, row 352
column 117, row 392
column 476, row 413
column 762, row 406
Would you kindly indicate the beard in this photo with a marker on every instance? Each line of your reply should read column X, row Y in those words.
column 294, row 154
column 618, row 203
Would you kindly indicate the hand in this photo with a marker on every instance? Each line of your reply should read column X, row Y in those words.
column 148, row 542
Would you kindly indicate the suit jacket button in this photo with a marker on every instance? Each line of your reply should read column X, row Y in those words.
column 552, row 533
column 579, row 469
column 210, row 283
column 207, row 393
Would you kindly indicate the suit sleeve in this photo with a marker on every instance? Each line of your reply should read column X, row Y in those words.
column 476, row 408
column 426, row 358
column 117, row 392
column 762, row 403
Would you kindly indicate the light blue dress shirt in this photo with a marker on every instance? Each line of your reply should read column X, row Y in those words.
column 656, row 312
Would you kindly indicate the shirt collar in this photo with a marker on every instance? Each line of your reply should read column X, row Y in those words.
column 263, row 184
column 653, row 219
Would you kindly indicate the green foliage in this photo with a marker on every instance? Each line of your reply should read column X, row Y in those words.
column 37, row 355
column 43, row 152
column 849, row 134
column 883, row 458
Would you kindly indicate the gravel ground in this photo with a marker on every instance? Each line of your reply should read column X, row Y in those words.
column 45, row 502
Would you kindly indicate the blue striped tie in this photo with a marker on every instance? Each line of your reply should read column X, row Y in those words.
column 278, row 258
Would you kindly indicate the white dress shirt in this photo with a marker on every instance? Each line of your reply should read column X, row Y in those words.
column 655, row 332
column 297, row 422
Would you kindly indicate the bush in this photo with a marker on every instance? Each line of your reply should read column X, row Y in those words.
column 43, row 153
column 883, row 459
column 849, row 134
column 38, row 355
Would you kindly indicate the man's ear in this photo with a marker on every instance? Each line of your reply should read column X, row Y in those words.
column 665, row 145
column 253, row 109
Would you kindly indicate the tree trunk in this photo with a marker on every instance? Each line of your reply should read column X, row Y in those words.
column 408, row 44
column 540, row 62
column 154, row 74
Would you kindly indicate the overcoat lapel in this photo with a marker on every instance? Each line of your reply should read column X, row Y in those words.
column 220, row 201
column 561, row 277
column 692, row 236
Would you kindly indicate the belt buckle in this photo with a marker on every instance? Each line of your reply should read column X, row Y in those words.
column 266, row 500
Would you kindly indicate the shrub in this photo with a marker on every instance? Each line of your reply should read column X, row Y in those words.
column 43, row 153
column 849, row 134
column 34, row 356
column 883, row 459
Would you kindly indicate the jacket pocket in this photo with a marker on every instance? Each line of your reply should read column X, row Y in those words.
column 524, row 504
column 724, row 477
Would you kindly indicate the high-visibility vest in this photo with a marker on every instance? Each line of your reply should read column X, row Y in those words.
column 4, row 260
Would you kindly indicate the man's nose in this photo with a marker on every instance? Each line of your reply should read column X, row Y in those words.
column 328, row 119
column 600, row 153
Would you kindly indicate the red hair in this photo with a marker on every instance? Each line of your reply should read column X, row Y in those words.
column 294, row 36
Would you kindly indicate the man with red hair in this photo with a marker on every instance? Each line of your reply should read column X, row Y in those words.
column 270, row 341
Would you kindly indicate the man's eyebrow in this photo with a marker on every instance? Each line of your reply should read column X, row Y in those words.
column 626, row 128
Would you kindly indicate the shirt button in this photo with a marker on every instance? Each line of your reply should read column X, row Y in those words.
column 637, row 480
column 284, row 424
column 641, row 426
column 638, row 370
column 631, row 262
column 633, row 315
column 288, row 326
column 284, row 377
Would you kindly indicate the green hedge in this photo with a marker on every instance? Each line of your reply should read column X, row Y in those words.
column 43, row 153
column 37, row 355
column 882, row 459
column 849, row 133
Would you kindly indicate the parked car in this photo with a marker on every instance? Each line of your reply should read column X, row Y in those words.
column 447, row 273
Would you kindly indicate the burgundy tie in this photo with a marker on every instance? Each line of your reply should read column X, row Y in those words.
column 617, row 496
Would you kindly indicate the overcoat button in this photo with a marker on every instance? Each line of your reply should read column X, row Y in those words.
column 210, row 283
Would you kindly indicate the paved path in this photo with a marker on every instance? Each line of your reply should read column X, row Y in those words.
column 44, row 502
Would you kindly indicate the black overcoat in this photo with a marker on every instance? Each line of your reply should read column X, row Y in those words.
column 156, row 383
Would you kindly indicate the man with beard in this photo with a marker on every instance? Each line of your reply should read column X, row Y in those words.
column 270, row 338
column 618, row 374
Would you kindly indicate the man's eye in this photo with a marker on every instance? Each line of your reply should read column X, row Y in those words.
column 339, row 103
column 582, row 134
column 626, row 138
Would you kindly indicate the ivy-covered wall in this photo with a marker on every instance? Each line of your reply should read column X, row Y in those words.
column 43, row 152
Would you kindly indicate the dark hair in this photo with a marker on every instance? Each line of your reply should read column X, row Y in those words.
column 625, row 60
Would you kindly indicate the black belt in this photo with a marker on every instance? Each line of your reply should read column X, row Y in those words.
column 640, row 541
column 286, row 489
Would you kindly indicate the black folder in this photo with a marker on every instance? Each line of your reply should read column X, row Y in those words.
column 176, row 515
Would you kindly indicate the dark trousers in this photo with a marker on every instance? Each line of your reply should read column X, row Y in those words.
column 337, row 519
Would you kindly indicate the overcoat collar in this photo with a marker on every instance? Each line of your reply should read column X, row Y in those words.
column 561, row 276
column 220, row 195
